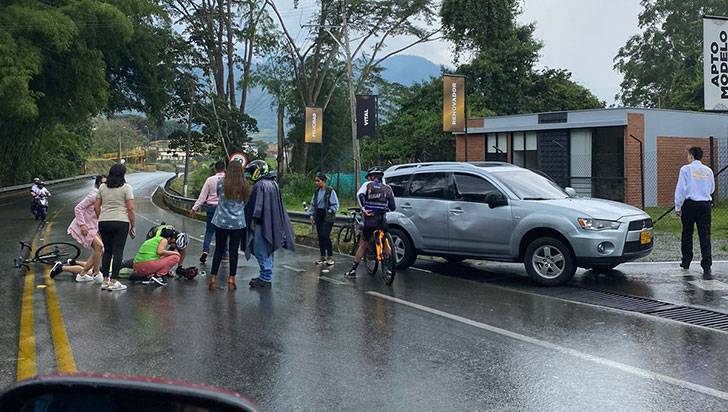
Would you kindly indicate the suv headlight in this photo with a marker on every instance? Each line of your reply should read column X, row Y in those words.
column 597, row 224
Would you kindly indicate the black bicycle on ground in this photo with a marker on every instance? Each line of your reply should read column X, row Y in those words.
column 48, row 254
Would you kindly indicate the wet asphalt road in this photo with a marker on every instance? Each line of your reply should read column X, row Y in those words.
column 456, row 337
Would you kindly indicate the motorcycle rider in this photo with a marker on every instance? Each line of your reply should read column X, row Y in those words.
column 37, row 191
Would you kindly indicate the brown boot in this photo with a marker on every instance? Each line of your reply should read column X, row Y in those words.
column 231, row 283
column 212, row 282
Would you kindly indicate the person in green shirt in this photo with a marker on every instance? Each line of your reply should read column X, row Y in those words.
column 159, row 254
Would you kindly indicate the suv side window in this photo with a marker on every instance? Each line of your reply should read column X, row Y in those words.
column 431, row 185
column 473, row 188
column 398, row 184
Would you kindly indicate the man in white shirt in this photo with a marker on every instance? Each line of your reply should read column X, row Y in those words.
column 693, row 203
column 36, row 190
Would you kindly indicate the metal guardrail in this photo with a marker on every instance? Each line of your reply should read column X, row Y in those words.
column 181, row 204
column 16, row 188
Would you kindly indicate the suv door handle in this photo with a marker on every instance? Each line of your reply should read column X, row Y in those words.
column 457, row 211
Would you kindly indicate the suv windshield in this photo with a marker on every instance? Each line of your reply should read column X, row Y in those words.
column 529, row 185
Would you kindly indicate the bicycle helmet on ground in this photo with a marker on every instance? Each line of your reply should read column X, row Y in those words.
column 181, row 240
column 257, row 169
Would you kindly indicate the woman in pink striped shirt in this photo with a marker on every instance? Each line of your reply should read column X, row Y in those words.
column 208, row 196
column 84, row 229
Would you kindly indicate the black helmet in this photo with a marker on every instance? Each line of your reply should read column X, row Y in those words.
column 375, row 171
column 257, row 169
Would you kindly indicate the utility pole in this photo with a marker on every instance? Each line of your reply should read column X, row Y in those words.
column 352, row 98
column 187, row 144
column 119, row 148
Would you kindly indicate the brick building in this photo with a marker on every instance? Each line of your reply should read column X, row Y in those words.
column 598, row 152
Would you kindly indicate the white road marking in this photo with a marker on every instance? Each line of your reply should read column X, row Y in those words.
column 642, row 373
column 709, row 284
column 676, row 262
column 293, row 269
column 334, row 281
column 421, row 270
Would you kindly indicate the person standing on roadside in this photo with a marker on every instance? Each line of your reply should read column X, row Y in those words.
column 269, row 227
column 84, row 228
column 324, row 205
column 229, row 221
column 208, row 197
column 115, row 211
column 693, row 203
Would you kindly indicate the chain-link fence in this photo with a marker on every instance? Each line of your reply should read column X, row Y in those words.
column 661, row 173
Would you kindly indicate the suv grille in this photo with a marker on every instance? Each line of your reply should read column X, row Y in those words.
column 640, row 224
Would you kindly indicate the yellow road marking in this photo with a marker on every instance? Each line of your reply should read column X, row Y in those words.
column 64, row 353
column 26, row 342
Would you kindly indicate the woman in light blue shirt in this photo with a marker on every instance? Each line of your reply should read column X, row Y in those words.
column 324, row 205
column 229, row 220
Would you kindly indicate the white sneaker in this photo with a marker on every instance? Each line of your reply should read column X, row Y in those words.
column 116, row 285
column 98, row 278
column 104, row 285
column 84, row 278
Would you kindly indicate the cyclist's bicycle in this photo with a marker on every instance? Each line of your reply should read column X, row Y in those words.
column 48, row 254
column 380, row 255
column 347, row 241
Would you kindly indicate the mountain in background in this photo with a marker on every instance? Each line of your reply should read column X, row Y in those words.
column 402, row 69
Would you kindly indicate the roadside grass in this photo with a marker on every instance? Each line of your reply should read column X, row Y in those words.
column 671, row 223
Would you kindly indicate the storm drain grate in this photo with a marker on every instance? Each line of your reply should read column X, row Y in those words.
column 609, row 299
column 686, row 314
column 695, row 316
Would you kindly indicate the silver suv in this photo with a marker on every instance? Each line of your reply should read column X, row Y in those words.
column 498, row 211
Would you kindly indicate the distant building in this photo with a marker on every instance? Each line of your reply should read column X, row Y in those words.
column 165, row 153
column 598, row 152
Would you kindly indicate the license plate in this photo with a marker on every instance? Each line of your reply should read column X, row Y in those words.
column 645, row 237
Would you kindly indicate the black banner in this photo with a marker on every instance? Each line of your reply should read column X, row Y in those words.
column 366, row 116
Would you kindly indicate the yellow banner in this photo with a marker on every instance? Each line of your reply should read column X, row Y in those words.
column 453, row 103
column 314, row 125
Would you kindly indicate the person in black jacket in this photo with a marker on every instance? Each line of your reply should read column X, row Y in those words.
column 324, row 205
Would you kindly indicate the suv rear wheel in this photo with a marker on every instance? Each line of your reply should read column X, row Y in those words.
column 549, row 262
column 404, row 249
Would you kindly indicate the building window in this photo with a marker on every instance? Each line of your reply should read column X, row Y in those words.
column 525, row 150
column 496, row 147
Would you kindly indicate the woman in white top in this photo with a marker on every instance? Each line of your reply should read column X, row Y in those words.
column 115, row 209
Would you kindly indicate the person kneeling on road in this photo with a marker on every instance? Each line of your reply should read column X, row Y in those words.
column 159, row 254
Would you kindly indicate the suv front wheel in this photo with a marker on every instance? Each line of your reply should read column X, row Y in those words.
column 549, row 262
column 404, row 249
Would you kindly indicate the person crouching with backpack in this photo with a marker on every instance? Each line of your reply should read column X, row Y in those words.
column 324, row 205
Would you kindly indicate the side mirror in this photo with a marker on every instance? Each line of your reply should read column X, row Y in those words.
column 570, row 191
column 81, row 392
column 495, row 199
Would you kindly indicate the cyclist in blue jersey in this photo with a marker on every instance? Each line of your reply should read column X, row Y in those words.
column 375, row 199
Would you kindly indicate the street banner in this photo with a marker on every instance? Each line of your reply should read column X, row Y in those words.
column 715, row 63
column 453, row 103
column 366, row 116
column 314, row 125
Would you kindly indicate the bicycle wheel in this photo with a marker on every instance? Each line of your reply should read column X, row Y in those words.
column 51, row 253
column 344, row 240
column 370, row 258
column 389, row 263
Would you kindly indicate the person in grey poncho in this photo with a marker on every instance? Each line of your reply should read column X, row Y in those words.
column 269, row 227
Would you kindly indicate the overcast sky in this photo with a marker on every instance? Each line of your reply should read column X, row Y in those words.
column 582, row 36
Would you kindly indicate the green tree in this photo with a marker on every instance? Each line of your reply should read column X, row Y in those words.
column 108, row 134
column 63, row 63
column 663, row 65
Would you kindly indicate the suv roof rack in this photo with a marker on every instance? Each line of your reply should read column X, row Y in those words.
column 492, row 164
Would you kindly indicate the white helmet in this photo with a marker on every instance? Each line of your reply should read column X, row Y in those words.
column 181, row 240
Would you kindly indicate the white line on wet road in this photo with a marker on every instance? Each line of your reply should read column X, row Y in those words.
column 642, row 373
column 293, row 269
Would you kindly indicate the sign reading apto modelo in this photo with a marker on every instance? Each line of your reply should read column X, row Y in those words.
column 314, row 125
column 366, row 116
column 715, row 63
column 453, row 103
